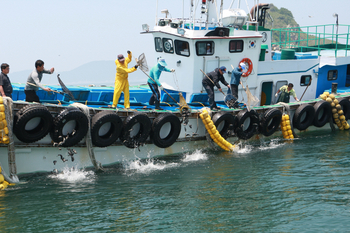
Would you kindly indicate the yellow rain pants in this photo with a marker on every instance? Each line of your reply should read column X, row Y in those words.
column 121, row 83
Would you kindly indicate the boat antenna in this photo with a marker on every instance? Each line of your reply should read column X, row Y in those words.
column 231, row 4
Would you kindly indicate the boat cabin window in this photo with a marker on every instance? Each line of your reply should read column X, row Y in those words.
column 182, row 48
column 332, row 75
column 168, row 45
column 158, row 44
column 205, row 48
column 236, row 46
column 305, row 80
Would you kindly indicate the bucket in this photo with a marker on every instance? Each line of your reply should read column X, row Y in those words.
column 287, row 54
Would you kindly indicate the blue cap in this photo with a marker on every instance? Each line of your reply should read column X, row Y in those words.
column 223, row 69
column 162, row 62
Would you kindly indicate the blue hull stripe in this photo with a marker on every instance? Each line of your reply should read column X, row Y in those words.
column 290, row 72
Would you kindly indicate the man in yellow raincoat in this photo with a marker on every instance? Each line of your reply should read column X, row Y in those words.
column 121, row 83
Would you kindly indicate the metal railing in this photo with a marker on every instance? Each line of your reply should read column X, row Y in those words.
column 331, row 37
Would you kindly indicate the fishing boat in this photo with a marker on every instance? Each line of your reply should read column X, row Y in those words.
column 74, row 126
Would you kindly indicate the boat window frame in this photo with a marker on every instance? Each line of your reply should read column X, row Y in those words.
column 303, row 80
column 334, row 77
column 171, row 50
column 212, row 47
column 158, row 45
column 180, row 50
column 235, row 51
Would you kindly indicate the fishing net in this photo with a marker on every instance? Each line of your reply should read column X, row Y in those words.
column 64, row 88
column 252, row 100
column 142, row 62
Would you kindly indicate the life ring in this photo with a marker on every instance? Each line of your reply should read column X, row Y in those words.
column 69, row 127
column 247, row 124
column 303, row 116
column 136, row 129
column 249, row 63
column 323, row 111
column 223, row 122
column 166, row 129
column 32, row 123
column 345, row 105
column 106, row 127
column 270, row 121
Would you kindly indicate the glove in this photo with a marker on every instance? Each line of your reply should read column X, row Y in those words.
column 298, row 100
column 161, row 87
column 276, row 95
column 128, row 51
column 172, row 70
column 136, row 66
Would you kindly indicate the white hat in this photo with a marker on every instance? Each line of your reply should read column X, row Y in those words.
column 242, row 65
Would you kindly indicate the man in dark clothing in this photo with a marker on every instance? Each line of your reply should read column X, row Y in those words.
column 213, row 79
column 5, row 83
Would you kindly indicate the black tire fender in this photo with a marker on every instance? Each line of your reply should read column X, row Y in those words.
column 106, row 127
column 224, row 122
column 323, row 111
column 165, row 137
column 244, row 131
column 270, row 121
column 131, row 139
column 303, row 116
column 345, row 105
column 32, row 123
column 69, row 127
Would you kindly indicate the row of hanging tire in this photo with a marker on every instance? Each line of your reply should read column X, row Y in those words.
column 70, row 126
column 34, row 122
column 248, row 123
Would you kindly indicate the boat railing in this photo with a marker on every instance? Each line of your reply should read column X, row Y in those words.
column 331, row 37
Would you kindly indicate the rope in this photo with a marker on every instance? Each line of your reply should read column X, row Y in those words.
column 85, row 110
column 11, row 146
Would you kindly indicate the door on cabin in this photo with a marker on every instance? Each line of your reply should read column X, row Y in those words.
column 266, row 93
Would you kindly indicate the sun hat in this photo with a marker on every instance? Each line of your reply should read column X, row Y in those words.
column 223, row 69
column 162, row 62
column 121, row 57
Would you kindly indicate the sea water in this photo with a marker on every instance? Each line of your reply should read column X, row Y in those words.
column 266, row 185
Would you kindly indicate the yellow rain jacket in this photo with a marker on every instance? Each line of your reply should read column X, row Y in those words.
column 121, row 83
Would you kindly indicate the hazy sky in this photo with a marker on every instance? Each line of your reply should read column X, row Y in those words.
column 69, row 33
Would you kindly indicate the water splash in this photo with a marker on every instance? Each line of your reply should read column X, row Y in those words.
column 272, row 145
column 74, row 175
column 147, row 166
column 195, row 156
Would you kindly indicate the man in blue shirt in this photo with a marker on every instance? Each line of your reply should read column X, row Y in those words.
column 236, row 79
column 155, row 73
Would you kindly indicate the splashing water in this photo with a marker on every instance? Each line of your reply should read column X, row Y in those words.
column 272, row 145
column 74, row 175
column 147, row 166
column 195, row 156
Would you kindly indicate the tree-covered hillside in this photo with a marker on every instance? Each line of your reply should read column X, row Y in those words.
column 283, row 18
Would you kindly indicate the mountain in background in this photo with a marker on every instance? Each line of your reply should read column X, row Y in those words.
column 283, row 18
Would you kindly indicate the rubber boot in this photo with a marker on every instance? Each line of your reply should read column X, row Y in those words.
column 157, row 105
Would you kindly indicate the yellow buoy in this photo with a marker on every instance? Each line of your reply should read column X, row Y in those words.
column 2, row 179
column 338, row 106
column 332, row 96
column 329, row 100
column 326, row 93
column 2, row 108
column 336, row 101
